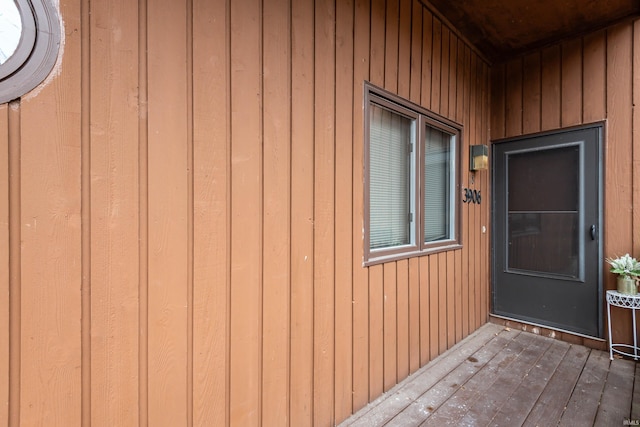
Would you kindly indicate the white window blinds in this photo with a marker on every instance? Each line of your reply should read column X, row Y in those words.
column 437, row 185
column 389, row 178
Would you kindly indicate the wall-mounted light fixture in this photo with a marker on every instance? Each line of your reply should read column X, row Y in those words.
column 478, row 157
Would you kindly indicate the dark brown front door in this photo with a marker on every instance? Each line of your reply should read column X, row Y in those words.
column 546, row 245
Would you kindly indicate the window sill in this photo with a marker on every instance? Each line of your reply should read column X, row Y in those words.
column 375, row 260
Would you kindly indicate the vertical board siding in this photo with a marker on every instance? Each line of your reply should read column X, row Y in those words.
column 416, row 52
column 485, row 187
column 471, row 223
column 324, row 213
column 343, row 326
column 442, row 307
column 531, row 103
column 514, row 99
column 211, row 240
column 571, row 91
column 404, row 49
column 376, row 331
column 594, row 77
column 246, row 212
column 424, row 314
column 302, row 130
column 182, row 212
column 415, row 303
column 580, row 81
column 167, row 215
column 450, row 301
column 143, row 220
column 391, row 46
column 14, row 242
column 403, row 321
column 436, row 65
column 427, row 47
column 433, row 290
column 636, row 138
column 276, row 209
column 618, row 223
column 114, row 214
column 550, row 81
column 390, row 325
column 5, row 290
column 467, row 252
column 50, row 247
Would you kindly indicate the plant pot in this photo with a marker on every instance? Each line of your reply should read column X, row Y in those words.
column 627, row 285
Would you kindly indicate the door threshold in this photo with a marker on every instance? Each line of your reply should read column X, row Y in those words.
column 555, row 333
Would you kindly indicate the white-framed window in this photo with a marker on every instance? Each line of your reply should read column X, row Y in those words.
column 411, row 179
column 29, row 43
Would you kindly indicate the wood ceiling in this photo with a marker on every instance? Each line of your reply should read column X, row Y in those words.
column 501, row 29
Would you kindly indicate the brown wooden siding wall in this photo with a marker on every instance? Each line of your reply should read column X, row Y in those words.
column 181, row 215
column 585, row 80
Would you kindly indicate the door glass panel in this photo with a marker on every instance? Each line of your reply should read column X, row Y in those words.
column 545, row 180
column 543, row 215
column 544, row 242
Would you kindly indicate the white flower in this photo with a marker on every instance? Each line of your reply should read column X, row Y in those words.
column 625, row 265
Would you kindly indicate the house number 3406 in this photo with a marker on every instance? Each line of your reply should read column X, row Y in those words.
column 471, row 196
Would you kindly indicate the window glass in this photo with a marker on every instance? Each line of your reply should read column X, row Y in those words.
column 10, row 29
column 29, row 44
column 437, row 185
column 389, row 178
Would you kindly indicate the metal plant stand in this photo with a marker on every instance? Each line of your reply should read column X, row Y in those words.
column 625, row 301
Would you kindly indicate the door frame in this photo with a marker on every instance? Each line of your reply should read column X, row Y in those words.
column 601, row 127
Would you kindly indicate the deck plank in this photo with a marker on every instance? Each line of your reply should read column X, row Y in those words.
column 615, row 405
column 583, row 404
column 520, row 403
column 500, row 376
column 386, row 406
column 556, row 394
column 428, row 402
column 488, row 406
column 450, row 413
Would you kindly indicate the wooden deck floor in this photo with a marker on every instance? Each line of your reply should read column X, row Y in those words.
column 503, row 377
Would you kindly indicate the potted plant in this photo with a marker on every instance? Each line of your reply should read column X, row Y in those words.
column 628, row 270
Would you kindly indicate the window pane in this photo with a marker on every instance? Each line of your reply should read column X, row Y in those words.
column 437, row 185
column 389, row 175
column 10, row 29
